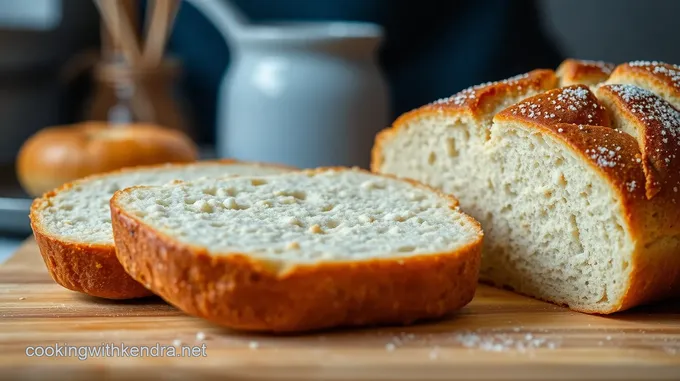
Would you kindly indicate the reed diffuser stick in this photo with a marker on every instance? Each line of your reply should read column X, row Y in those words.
column 121, row 29
column 162, row 16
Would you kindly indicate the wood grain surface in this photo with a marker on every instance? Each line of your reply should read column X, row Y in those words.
column 499, row 336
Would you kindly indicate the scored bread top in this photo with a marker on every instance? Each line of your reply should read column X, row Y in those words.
column 79, row 211
column 655, row 124
column 660, row 78
column 583, row 72
column 314, row 215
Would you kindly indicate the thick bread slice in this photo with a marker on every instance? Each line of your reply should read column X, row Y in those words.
column 72, row 224
column 300, row 251
column 578, row 196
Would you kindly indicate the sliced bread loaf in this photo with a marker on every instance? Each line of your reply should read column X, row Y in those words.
column 72, row 224
column 577, row 188
column 300, row 251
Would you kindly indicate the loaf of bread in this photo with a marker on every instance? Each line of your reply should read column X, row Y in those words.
column 72, row 224
column 574, row 176
column 300, row 251
column 61, row 154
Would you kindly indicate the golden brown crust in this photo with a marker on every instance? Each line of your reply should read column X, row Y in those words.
column 655, row 274
column 90, row 269
column 480, row 100
column 658, row 77
column 583, row 72
column 656, row 126
column 571, row 105
column 57, row 155
column 93, row 269
column 237, row 291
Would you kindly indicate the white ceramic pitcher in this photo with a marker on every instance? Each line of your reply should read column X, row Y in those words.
column 302, row 94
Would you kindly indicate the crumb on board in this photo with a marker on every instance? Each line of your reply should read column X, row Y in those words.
column 434, row 353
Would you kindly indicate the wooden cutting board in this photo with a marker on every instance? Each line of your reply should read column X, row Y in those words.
column 499, row 336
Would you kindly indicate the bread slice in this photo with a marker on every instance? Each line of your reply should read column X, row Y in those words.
column 72, row 224
column 300, row 251
column 578, row 196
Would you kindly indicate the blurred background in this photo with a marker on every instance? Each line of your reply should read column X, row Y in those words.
column 302, row 96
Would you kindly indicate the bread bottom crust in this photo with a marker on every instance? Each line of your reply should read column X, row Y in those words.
column 242, row 293
column 90, row 269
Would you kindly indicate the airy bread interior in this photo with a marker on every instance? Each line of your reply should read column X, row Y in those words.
column 81, row 212
column 557, row 227
column 327, row 215
column 541, row 208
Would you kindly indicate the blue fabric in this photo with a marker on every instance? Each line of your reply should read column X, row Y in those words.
column 433, row 48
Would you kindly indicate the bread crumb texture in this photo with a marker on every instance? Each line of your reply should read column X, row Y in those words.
column 81, row 213
column 336, row 215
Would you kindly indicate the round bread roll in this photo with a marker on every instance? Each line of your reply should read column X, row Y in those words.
column 57, row 155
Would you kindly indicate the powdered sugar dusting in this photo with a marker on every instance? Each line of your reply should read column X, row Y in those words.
column 671, row 72
column 573, row 104
column 650, row 107
column 496, row 340
column 462, row 97
column 574, row 96
column 505, row 342
column 658, row 133
column 661, row 140
column 606, row 150
column 514, row 340
column 603, row 156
